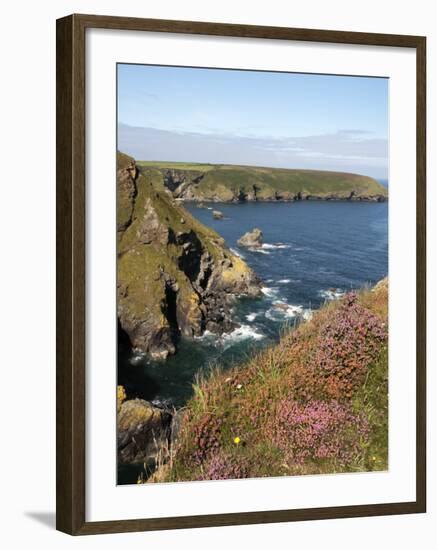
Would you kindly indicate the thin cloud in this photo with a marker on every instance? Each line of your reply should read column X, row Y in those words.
column 346, row 150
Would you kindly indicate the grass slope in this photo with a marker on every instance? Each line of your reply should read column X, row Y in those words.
column 315, row 403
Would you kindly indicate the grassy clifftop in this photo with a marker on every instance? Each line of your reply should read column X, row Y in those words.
column 317, row 402
column 225, row 183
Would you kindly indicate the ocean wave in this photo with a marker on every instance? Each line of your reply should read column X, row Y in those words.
column 270, row 292
column 332, row 293
column 243, row 332
column 281, row 310
column 252, row 316
column 137, row 358
column 260, row 250
column 276, row 246
column 284, row 281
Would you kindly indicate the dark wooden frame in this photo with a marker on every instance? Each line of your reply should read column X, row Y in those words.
column 70, row 236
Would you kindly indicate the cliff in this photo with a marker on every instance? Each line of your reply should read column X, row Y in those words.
column 227, row 183
column 174, row 275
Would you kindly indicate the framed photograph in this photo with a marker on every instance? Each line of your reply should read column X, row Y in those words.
column 240, row 274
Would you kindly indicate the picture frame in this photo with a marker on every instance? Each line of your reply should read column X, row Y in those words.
column 71, row 204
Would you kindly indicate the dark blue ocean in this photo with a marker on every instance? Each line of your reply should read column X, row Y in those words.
column 313, row 252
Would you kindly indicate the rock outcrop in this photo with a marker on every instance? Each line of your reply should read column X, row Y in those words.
column 175, row 276
column 252, row 239
column 143, row 432
column 217, row 215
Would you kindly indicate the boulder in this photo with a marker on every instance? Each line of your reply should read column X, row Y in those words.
column 252, row 239
column 217, row 215
column 143, row 432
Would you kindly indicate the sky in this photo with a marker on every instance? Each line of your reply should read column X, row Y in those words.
column 288, row 120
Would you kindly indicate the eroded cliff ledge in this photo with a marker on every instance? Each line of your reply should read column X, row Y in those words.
column 175, row 276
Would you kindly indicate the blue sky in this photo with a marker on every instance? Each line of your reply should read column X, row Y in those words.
column 247, row 117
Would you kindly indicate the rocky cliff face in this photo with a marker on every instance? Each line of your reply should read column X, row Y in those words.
column 222, row 183
column 174, row 275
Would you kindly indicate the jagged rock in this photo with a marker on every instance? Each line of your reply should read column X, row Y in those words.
column 143, row 431
column 217, row 215
column 174, row 275
column 126, row 191
column 252, row 239
column 150, row 229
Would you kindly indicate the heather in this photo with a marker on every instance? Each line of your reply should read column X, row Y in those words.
column 317, row 402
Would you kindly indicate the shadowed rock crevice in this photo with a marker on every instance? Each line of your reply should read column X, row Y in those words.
column 190, row 259
column 170, row 307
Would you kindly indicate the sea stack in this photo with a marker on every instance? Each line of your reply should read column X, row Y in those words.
column 252, row 239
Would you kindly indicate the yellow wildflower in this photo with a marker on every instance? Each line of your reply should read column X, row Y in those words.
column 237, row 440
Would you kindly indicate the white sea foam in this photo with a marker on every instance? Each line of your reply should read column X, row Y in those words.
column 243, row 332
column 287, row 309
column 269, row 292
column 137, row 358
column 251, row 317
column 281, row 311
column 332, row 293
column 276, row 246
column 260, row 250
column 284, row 281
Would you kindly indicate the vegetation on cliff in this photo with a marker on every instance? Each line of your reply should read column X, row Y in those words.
column 228, row 183
column 317, row 402
column 175, row 276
